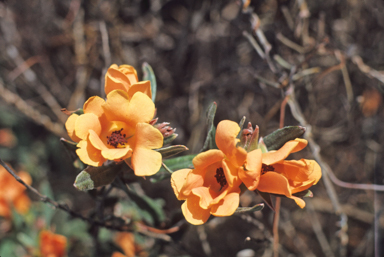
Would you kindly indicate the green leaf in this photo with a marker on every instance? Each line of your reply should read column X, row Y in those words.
column 171, row 150
column 182, row 162
column 9, row 248
column 72, row 146
column 267, row 199
column 210, row 142
column 257, row 207
column 143, row 202
column 305, row 193
column 25, row 239
column 241, row 125
column 278, row 138
column 169, row 139
column 92, row 177
column 150, row 75
column 171, row 165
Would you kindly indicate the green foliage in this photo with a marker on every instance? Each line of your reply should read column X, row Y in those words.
column 149, row 209
column 48, row 211
column 150, row 75
column 172, row 150
column 242, row 210
column 92, row 177
column 210, row 142
column 278, row 138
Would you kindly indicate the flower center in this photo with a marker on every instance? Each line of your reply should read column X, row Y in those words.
column 116, row 139
column 220, row 177
column 265, row 168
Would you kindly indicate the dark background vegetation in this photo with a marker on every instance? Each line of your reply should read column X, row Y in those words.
column 54, row 54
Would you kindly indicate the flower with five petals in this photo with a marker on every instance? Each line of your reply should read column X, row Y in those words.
column 124, row 77
column 117, row 129
column 282, row 177
column 52, row 245
column 213, row 186
column 12, row 193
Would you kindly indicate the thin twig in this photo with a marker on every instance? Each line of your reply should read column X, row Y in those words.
column 298, row 115
column 317, row 228
column 63, row 207
column 276, row 219
column 30, row 112
column 127, row 227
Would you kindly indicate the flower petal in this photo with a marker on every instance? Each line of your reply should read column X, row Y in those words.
column 204, row 159
column 301, row 174
column 250, row 175
column 204, row 195
column 95, row 140
column 292, row 146
column 272, row 182
column 300, row 202
column 142, row 86
column 22, row 203
column 227, row 206
column 93, row 105
column 192, row 211
column 226, row 141
column 146, row 162
column 148, row 137
column 116, row 106
column 5, row 211
column 115, row 79
column 178, row 179
column 115, row 153
column 89, row 154
column 140, row 109
column 230, row 172
column 70, row 126
column 84, row 123
column 194, row 179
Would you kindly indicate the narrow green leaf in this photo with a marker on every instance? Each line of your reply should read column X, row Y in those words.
column 166, row 168
column 241, row 125
column 171, row 150
column 267, row 199
column 257, row 207
column 182, row 162
column 305, row 193
column 210, row 142
column 92, row 177
column 171, row 165
column 150, row 75
column 169, row 139
column 278, row 138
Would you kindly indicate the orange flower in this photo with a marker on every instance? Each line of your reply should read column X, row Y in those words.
column 12, row 193
column 126, row 241
column 52, row 245
column 124, row 77
column 279, row 176
column 212, row 187
column 117, row 129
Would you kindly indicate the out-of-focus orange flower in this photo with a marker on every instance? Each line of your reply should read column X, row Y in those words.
column 12, row 193
column 279, row 176
column 212, row 187
column 7, row 138
column 124, row 77
column 52, row 245
column 126, row 241
column 370, row 102
column 117, row 129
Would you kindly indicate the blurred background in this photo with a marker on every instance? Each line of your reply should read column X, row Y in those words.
column 328, row 56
